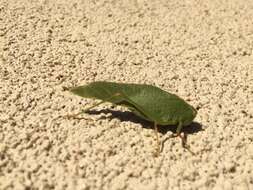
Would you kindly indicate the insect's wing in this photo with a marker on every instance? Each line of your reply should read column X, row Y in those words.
column 153, row 103
column 115, row 93
column 99, row 90
column 162, row 107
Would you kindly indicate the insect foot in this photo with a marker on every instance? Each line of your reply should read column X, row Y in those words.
column 183, row 138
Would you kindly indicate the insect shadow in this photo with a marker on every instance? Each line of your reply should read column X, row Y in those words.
column 194, row 127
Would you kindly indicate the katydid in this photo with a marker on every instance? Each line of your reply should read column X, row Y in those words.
column 146, row 101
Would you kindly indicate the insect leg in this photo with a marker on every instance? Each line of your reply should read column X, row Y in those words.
column 103, row 101
column 179, row 128
column 97, row 104
column 157, row 140
column 179, row 134
column 182, row 137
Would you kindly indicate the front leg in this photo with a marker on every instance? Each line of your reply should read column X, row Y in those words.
column 182, row 136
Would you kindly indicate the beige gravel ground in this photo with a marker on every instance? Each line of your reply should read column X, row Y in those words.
column 200, row 50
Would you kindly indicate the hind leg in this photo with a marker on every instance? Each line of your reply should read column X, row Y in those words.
column 157, row 152
column 95, row 105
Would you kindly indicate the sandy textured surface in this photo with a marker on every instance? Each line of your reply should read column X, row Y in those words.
column 200, row 50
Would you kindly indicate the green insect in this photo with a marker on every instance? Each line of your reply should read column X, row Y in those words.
column 146, row 101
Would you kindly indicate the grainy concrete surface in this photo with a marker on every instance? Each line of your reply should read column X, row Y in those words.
column 200, row 50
